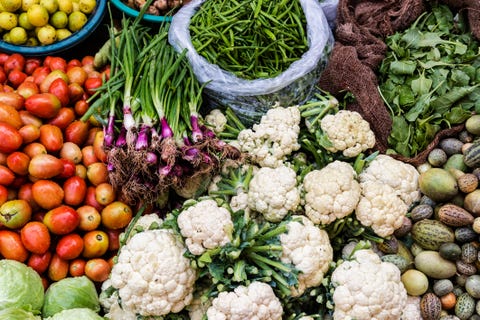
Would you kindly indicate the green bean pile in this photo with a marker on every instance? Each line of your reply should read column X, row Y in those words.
column 250, row 38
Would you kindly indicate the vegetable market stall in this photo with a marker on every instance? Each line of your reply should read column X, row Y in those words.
column 136, row 183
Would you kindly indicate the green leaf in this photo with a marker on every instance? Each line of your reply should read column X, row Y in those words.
column 400, row 129
column 420, row 106
column 457, row 115
column 421, row 85
column 403, row 67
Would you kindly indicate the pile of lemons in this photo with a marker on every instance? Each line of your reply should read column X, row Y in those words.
column 42, row 22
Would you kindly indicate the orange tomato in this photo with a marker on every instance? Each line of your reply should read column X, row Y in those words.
column 47, row 194
column 29, row 133
column 77, row 74
column 57, row 63
column 51, row 137
column 68, row 169
column 12, row 98
column 4, row 195
column 44, row 105
column 61, row 220
column 89, row 218
column 81, row 171
column 25, row 193
column 10, row 115
column 76, row 93
column 35, row 237
column 69, row 246
column 34, row 148
column 97, row 269
column 71, row 151
column 59, row 87
column 97, row 173
column 77, row 267
column 448, row 301
column 11, row 138
column 116, row 215
column 81, row 106
column 88, row 155
column 95, row 244
column 77, row 132
column 11, row 246
column 104, row 193
column 98, row 146
column 75, row 190
column 18, row 161
column 28, row 88
column 45, row 166
column 39, row 262
column 90, row 199
column 58, row 268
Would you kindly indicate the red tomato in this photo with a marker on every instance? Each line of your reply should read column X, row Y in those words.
column 11, row 246
column 51, row 137
column 57, row 63
column 65, row 116
column 11, row 139
column 31, row 64
column 34, row 148
column 77, row 267
column 76, row 92
column 89, row 218
column 4, row 195
column 113, row 239
column 58, row 268
column 95, row 244
column 18, row 161
column 69, row 246
column 35, row 237
column 7, row 176
column 13, row 99
column 97, row 269
column 16, row 77
column 92, row 84
column 3, row 76
column 15, row 61
column 59, row 87
column 77, row 132
column 77, row 74
column 116, row 215
column 25, row 193
column 88, row 155
column 45, row 166
column 40, row 74
column 29, row 133
column 43, row 105
column 27, row 89
column 62, row 220
column 10, row 115
column 75, row 189
column 29, row 118
column 3, row 57
column 52, row 76
column 47, row 194
column 74, row 63
column 90, row 199
column 39, row 262
column 68, row 169
column 88, row 60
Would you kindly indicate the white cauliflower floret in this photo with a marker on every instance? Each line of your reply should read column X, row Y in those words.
column 380, row 208
column 348, row 132
column 152, row 275
column 331, row 193
column 274, row 138
column 273, row 192
column 257, row 301
column 239, row 202
column 145, row 222
column 217, row 120
column 412, row 309
column 205, row 225
column 367, row 288
column 401, row 176
column 308, row 248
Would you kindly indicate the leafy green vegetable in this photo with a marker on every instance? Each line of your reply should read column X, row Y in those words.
column 70, row 293
column 429, row 79
column 75, row 314
column 17, row 314
column 20, row 287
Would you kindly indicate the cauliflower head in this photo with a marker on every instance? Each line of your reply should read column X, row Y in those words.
column 401, row 176
column 276, row 136
column 348, row 132
column 366, row 288
column 331, row 193
column 152, row 275
column 273, row 192
column 217, row 120
column 308, row 248
column 380, row 208
column 412, row 309
column 256, row 301
column 205, row 225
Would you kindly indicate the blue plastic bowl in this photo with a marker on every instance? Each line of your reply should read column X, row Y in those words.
column 120, row 5
column 94, row 20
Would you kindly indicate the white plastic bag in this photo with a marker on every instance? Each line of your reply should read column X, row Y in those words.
column 250, row 99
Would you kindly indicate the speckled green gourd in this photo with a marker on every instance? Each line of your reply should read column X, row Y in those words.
column 401, row 263
column 465, row 306
column 471, row 157
column 430, row 234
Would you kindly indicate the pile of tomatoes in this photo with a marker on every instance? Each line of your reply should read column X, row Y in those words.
column 58, row 212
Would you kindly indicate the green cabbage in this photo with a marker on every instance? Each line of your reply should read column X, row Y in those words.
column 70, row 293
column 17, row 314
column 75, row 314
column 20, row 287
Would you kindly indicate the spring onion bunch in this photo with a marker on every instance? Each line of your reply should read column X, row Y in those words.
column 154, row 134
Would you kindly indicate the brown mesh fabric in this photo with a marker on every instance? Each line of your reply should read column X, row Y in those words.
column 359, row 49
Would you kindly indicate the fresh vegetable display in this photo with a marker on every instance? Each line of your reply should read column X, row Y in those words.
column 124, row 194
